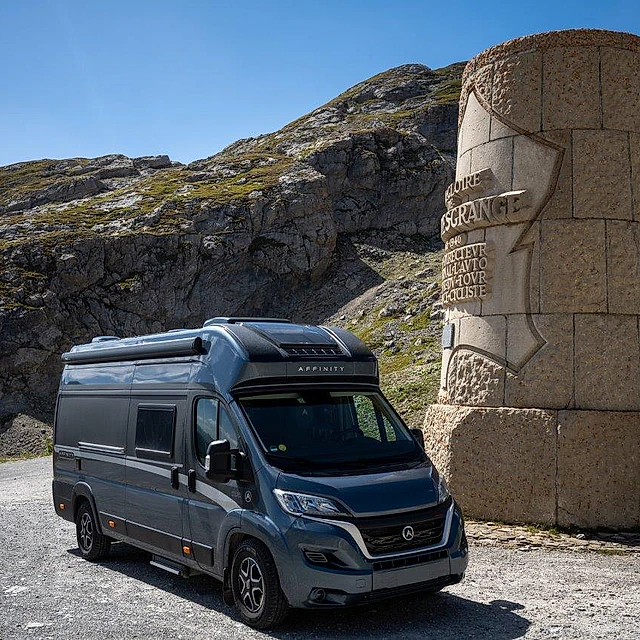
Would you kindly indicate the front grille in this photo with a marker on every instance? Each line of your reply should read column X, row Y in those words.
column 326, row 351
column 384, row 535
column 429, row 585
column 410, row 561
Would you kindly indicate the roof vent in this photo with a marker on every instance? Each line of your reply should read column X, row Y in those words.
column 223, row 320
column 105, row 338
column 314, row 351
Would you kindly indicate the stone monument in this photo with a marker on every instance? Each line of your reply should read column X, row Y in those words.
column 539, row 408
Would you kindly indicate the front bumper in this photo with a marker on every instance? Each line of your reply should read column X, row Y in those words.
column 353, row 576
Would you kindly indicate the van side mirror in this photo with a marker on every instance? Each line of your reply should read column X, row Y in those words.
column 217, row 464
column 419, row 436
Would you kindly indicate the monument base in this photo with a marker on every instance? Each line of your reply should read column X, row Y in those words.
column 542, row 466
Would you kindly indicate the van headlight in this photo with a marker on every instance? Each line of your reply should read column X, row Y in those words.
column 443, row 490
column 302, row 504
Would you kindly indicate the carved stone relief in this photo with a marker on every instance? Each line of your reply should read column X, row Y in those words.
column 500, row 190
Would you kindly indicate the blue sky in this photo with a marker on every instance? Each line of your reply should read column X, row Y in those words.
column 187, row 78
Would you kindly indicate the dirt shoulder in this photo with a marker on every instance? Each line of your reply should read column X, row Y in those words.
column 528, row 538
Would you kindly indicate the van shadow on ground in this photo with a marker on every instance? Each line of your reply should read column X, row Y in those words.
column 443, row 615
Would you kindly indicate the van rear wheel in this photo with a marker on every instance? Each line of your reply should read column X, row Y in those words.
column 256, row 586
column 92, row 544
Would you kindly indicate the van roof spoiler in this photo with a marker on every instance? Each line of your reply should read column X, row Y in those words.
column 239, row 320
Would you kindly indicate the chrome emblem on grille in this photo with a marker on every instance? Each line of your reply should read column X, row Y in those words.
column 407, row 533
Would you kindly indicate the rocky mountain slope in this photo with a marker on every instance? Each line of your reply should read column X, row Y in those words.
column 332, row 218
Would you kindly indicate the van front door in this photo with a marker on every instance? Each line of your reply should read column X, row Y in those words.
column 209, row 501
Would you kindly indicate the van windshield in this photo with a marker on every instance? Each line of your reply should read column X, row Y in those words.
column 329, row 432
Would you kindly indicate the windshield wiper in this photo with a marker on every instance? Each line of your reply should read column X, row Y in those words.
column 303, row 462
column 377, row 461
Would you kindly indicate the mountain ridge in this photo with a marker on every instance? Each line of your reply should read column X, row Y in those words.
column 126, row 246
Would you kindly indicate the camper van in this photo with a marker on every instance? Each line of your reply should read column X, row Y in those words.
column 257, row 451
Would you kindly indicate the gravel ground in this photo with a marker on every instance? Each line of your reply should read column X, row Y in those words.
column 48, row 591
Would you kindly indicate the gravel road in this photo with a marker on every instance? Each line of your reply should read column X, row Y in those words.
column 48, row 591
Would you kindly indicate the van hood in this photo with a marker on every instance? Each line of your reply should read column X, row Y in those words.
column 372, row 493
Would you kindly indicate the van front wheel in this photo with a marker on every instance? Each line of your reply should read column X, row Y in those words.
column 92, row 544
column 256, row 587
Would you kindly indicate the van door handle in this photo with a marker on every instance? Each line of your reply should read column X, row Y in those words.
column 191, row 480
column 175, row 478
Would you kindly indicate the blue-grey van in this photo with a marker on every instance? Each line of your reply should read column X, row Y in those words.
column 260, row 452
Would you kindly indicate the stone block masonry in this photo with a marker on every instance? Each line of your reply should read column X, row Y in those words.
column 539, row 414
column 579, row 468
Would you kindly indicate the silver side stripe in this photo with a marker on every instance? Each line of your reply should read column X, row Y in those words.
column 357, row 536
column 149, row 468
column 202, row 488
column 227, row 503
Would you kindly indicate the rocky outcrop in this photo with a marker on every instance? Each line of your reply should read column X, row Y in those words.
column 124, row 246
column 355, row 168
column 22, row 435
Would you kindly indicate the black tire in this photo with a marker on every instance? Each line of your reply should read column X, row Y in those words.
column 92, row 544
column 256, row 586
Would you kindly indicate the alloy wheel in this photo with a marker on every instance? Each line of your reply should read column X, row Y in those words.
column 86, row 531
column 251, row 585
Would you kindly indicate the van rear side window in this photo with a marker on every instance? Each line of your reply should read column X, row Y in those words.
column 154, row 431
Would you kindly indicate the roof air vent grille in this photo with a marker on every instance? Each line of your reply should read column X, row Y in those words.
column 314, row 351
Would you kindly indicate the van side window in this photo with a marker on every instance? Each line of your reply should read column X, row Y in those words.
column 371, row 421
column 206, row 425
column 226, row 429
column 154, row 431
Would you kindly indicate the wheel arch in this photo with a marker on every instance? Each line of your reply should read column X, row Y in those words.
column 264, row 530
column 82, row 493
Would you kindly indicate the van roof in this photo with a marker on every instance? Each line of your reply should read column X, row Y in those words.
column 255, row 339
